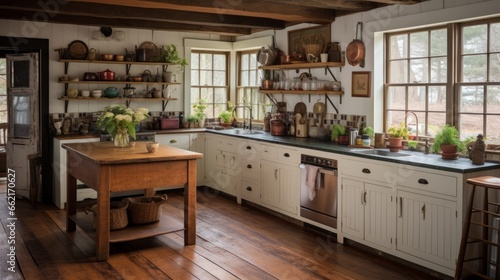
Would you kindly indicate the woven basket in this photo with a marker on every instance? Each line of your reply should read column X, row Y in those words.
column 314, row 49
column 118, row 218
column 146, row 209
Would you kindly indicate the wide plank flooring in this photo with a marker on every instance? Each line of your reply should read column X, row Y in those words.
column 233, row 242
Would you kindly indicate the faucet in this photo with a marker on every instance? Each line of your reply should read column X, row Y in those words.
column 416, row 119
column 249, row 118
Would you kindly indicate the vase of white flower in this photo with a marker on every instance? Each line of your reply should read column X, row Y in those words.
column 120, row 122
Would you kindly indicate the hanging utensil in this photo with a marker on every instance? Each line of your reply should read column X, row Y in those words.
column 355, row 52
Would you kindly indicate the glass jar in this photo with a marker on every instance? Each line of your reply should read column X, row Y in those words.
column 359, row 140
column 366, row 140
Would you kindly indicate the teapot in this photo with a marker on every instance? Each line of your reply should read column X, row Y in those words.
column 106, row 75
column 111, row 92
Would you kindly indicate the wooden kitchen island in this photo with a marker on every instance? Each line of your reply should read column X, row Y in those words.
column 106, row 168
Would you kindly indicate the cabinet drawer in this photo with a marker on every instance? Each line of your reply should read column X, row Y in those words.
column 430, row 182
column 268, row 152
column 175, row 140
column 288, row 156
column 226, row 143
column 250, row 169
column 249, row 150
column 366, row 170
column 250, row 190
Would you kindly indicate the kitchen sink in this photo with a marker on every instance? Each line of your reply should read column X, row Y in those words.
column 242, row 131
column 383, row 153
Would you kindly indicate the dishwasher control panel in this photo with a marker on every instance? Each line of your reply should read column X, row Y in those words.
column 319, row 161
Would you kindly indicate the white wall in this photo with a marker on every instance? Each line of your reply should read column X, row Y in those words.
column 343, row 31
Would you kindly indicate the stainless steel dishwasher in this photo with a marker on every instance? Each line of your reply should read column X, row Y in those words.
column 318, row 195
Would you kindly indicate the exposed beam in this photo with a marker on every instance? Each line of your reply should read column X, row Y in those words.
column 347, row 5
column 111, row 11
column 256, row 8
column 126, row 23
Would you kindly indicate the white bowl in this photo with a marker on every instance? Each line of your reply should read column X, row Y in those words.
column 96, row 95
column 152, row 146
column 85, row 93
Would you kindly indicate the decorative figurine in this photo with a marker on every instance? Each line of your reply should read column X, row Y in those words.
column 478, row 151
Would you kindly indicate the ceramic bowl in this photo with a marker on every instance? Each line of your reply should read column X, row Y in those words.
column 152, row 146
column 84, row 93
column 96, row 93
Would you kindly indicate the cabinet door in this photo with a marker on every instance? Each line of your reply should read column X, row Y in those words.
column 353, row 207
column 197, row 144
column 379, row 215
column 289, row 188
column 269, row 183
column 426, row 228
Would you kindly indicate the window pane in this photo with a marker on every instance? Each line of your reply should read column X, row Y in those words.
column 195, row 78
column 437, row 98
column 437, row 39
column 493, row 105
column 220, row 62
column 494, row 68
column 195, row 61
column 474, row 68
column 419, row 71
column 399, row 46
column 219, row 78
column 205, row 61
column 399, row 71
column 474, row 39
column 471, row 99
column 244, row 78
column 253, row 61
column 470, row 125
column 195, row 92
column 205, row 78
column 3, row 66
column 396, row 98
column 495, row 37
column 253, row 78
column 419, row 44
column 416, row 98
column 207, row 95
column 220, row 95
column 395, row 118
column 244, row 62
column 492, row 131
column 438, row 69
column 435, row 122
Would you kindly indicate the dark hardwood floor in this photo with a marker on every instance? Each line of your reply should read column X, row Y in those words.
column 233, row 242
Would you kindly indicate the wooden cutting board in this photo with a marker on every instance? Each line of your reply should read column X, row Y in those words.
column 300, row 108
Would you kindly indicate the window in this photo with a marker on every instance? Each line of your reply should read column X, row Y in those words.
column 3, row 90
column 479, row 80
column 248, row 87
column 209, row 80
column 417, row 79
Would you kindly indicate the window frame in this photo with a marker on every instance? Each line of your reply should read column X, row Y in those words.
column 241, row 113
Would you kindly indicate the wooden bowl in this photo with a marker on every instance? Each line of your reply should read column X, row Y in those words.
column 107, row 57
column 138, row 79
column 119, row 57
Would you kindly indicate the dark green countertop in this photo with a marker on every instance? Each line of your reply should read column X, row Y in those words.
column 460, row 165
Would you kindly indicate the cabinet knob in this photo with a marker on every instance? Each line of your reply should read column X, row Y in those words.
column 249, row 166
column 173, row 141
column 286, row 154
column 423, row 181
column 366, row 170
column 249, row 188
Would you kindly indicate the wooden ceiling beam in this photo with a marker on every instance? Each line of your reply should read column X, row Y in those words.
column 111, row 11
column 347, row 5
column 127, row 23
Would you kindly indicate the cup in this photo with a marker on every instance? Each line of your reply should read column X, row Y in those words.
column 324, row 57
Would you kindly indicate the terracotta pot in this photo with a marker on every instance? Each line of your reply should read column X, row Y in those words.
column 448, row 149
column 395, row 144
column 343, row 139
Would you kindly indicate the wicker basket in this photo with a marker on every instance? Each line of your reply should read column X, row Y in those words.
column 146, row 209
column 314, row 49
column 118, row 218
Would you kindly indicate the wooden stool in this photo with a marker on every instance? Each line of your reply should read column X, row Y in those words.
column 35, row 166
column 487, row 182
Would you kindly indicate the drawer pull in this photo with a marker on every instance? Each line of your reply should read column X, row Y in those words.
column 249, row 147
column 366, row 170
column 423, row 181
column 249, row 166
column 249, row 188
column 173, row 141
column 286, row 154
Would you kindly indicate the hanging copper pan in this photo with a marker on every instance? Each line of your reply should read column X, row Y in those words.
column 355, row 52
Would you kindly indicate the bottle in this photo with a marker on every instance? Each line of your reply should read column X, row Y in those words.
column 181, row 116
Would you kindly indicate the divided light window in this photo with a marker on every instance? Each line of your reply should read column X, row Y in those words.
column 3, row 90
column 247, row 94
column 209, row 80
column 417, row 79
column 479, row 80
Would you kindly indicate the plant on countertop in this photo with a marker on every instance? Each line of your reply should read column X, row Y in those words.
column 368, row 130
column 199, row 109
column 169, row 53
column 412, row 145
column 116, row 117
column 398, row 131
column 227, row 115
column 338, row 130
column 448, row 135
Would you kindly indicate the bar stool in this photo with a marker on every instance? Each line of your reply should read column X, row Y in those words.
column 487, row 182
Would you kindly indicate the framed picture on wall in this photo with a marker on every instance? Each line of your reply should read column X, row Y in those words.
column 316, row 37
column 361, row 84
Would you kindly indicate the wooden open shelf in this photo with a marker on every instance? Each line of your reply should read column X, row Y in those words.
column 115, row 62
column 166, row 224
column 279, row 91
column 303, row 65
column 117, row 83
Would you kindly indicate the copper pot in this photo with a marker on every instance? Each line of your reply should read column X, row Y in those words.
column 277, row 127
column 107, row 75
column 355, row 52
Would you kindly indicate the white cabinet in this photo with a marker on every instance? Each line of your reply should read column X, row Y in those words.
column 280, row 178
column 59, row 168
column 367, row 205
column 427, row 220
column 249, row 155
column 223, row 167
column 177, row 140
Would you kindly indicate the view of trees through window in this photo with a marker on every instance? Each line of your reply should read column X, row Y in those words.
column 3, row 90
column 209, row 81
column 249, row 77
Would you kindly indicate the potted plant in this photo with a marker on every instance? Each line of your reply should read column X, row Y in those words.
column 368, row 130
column 267, row 82
column 448, row 143
column 199, row 111
column 225, row 118
column 412, row 145
column 191, row 119
column 339, row 134
column 169, row 53
column 397, row 134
